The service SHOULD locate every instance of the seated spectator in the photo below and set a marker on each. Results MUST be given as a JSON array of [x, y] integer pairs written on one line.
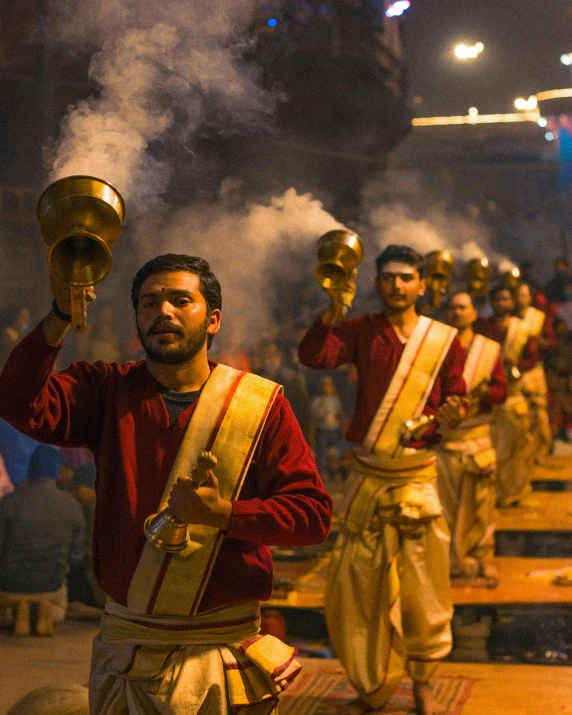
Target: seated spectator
[[16, 450], [41, 536], [82, 585], [18, 327], [70, 459], [557, 288]]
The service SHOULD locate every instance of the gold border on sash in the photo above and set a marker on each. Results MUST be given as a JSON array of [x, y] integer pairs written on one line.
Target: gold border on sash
[[174, 583], [411, 384], [534, 320], [516, 337], [480, 361]]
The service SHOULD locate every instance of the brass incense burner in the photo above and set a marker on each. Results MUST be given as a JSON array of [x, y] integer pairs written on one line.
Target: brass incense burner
[[511, 279], [414, 430], [81, 218], [166, 532], [478, 272], [438, 269], [339, 254]]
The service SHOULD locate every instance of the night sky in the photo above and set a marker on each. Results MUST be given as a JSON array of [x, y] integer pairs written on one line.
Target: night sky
[[523, 43]]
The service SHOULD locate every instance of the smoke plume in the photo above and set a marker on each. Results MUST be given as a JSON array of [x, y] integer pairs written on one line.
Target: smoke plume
[[250, 250], [165, 71]]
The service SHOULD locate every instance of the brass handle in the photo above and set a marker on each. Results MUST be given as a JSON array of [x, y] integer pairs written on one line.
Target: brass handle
[[78, 309]]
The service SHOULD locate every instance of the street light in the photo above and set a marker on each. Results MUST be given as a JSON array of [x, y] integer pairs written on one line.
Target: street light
[[526, 105], [468, 52]]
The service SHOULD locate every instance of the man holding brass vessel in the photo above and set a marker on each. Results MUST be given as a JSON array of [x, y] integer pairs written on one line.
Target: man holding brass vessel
[[466, 460], [181, 625], [510, 425], [388, 606]]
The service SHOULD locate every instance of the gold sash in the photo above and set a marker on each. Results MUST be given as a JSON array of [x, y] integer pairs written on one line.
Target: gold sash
[[534, 321], [480, 361], [228, 420], [411, 385], [516, 337]]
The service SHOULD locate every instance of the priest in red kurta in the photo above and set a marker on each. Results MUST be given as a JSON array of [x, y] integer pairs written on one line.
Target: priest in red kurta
[[511, 425], [466, 460], [387, 604], [134, 417]]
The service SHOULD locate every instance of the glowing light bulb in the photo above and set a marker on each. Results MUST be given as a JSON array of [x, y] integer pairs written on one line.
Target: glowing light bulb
[[272, 22], [566, 59], [542, 122], [396, 9], [468, 52], [549, 136]]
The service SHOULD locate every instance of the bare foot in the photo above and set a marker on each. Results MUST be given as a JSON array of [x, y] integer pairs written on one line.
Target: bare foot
[[491, 573], [424, 703], [356, 707]]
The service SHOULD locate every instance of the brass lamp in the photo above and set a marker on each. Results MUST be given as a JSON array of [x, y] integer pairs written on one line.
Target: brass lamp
[[81, 218], [478, 271], [166, 532], [438, 269], [339, 254], [511, 279]]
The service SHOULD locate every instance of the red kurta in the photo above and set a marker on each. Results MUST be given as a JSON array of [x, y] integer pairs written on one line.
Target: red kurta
[[118, 412], [491, 328], [371, 343]]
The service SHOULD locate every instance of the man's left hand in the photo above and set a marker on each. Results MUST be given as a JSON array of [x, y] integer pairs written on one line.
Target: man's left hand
[[452, 412], [194, 503]]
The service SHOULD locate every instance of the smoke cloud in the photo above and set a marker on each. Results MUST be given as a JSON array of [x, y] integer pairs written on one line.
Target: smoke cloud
[[165, 71], [249, 250]]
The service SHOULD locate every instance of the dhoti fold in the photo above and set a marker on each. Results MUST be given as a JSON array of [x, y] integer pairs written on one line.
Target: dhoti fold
[[210, 663], [535, 391], [466, 466], [388, 606], [514, 446]]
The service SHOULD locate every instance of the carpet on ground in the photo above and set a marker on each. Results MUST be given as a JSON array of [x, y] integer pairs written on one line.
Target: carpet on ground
[[326, 693]]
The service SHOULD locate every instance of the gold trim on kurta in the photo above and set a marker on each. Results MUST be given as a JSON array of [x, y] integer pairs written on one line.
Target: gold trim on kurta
[[237, 404], [410, 386]]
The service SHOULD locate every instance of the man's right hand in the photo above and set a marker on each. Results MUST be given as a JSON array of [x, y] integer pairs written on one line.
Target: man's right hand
[[337, 310]]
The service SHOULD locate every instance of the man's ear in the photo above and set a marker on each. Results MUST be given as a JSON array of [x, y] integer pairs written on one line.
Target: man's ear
[[422, 286]]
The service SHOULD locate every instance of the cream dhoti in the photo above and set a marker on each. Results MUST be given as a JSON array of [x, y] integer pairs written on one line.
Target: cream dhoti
[[513, 443], [211, 663], [466, 464], [388, 605]]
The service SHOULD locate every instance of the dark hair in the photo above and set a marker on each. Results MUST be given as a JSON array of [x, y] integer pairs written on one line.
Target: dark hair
[[460, 292], [171, 262], [401, 254], [498, 288]]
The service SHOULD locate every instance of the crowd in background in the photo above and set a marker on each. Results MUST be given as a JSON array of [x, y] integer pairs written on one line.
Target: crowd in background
[[322, 401]]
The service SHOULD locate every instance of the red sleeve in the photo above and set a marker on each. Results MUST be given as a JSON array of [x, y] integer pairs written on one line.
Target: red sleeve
[[62, 409], [548, 334], [498, 385], [327, 347], [451, 373], [291, 506], [529, 356]]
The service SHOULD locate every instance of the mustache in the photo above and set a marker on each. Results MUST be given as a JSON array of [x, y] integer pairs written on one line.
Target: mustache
[[164, 326]]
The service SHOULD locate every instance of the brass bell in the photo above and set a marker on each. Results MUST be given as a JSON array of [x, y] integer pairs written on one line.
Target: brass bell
[[478, 272], [438, 269], [511, 279], [81, 218], [414, 429], [166, 532], [339, 254]]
